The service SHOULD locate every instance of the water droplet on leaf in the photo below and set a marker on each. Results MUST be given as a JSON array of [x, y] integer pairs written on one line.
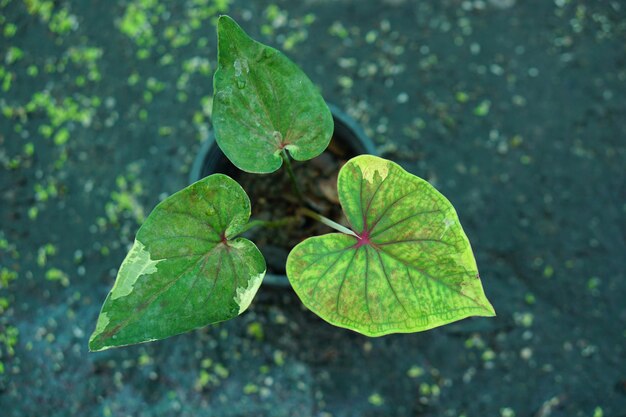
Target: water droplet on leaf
[[268, 53], [241, 66], [224, 96]]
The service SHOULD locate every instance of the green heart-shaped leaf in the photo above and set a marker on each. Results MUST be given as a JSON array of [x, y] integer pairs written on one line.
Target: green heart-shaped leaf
[[186, 268], [263, 103], [411, 268]]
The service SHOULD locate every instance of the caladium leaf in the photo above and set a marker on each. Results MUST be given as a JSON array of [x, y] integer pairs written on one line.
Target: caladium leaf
[[411, 268], [263, 103], [186, 268]]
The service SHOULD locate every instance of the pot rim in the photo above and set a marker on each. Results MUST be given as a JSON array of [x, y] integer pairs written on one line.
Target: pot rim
[[340, 119]]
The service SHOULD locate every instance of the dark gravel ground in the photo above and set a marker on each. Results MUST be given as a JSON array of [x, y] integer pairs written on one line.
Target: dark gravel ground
[[514, 109]]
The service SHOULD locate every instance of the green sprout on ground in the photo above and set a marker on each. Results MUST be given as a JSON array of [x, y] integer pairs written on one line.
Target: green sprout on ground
[[8, 272], [401, 264]]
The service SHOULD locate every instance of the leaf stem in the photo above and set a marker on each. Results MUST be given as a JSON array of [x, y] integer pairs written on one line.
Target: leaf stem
[[269, 224], [328, 222], [292, 177], [304, 210]]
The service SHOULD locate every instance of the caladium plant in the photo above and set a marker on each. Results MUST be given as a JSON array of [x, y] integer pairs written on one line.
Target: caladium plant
[[402, 263]]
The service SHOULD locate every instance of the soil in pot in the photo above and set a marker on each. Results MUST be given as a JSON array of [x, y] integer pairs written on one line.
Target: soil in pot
[[273, 198]]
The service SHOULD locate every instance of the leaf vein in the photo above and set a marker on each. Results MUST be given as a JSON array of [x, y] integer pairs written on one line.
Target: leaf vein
[[343, 280], [379, 232], [392, 205], [382, 265], [430, 277]]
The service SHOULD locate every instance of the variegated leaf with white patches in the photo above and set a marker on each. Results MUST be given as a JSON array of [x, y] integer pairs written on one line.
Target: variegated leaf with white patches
[[186, 268]]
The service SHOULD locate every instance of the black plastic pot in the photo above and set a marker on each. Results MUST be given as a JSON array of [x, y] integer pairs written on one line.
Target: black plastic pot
[[211, 160]]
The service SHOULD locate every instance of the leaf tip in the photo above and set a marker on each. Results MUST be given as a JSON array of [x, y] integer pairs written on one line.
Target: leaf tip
[[223, 19], [226, 24], [490, 310], [95, 344], [93, 347], [486, 307]]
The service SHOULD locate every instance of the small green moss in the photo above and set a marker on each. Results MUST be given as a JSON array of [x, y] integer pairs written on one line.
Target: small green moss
[[144, 359], [337, 29], [488, 355], [203, 380], [345, 82], [33, 212], [44, 252], [279, 357], [155, 85], [376, 399], [221, 371], [55, 274], [309, 19], [136, 24], [13, 55], [7, 82], [526, 159], [548, 271], [166, 59], [9, 30], [143, 54], [46, 131], [133, 79], [593, 283], [61, 137], [507, 412], [165, 131], [250, 388], [6, 276], [371, 36], [524, 319], [32, 71], [255, 330], [294, 38], [9, 336], [62, 22], [462, 97], [483, 108], [415, 372]]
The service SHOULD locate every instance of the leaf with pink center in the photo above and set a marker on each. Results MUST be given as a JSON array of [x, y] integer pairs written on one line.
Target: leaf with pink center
[[410, 269]]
